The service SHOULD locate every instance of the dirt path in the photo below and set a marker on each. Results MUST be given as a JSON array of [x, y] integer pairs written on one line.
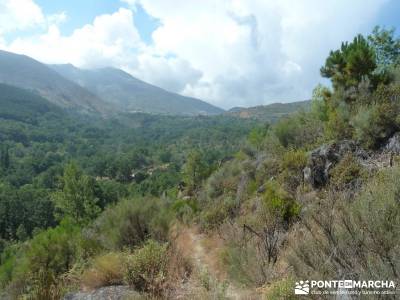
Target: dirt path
[[204, 252]]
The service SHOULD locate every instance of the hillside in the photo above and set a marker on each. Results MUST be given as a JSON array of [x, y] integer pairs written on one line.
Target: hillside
[[133, 95], [209, 207], [269, 113], [22, 105], [27, 73]]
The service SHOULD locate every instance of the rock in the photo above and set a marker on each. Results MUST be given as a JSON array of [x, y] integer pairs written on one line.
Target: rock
[[393, 145], [120, 292], [322, 159]]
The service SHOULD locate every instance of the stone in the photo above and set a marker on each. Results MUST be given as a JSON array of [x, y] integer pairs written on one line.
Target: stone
[[120, 292], [322, 159], [393, 145]]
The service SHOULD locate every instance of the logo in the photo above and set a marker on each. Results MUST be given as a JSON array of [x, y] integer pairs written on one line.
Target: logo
[[345, 287], [302, 288]]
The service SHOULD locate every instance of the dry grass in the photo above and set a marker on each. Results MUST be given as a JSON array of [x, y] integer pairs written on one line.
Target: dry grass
[[106, 270]]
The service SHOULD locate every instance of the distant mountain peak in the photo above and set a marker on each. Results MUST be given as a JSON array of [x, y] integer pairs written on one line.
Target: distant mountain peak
[[131, 94], [25, 72]]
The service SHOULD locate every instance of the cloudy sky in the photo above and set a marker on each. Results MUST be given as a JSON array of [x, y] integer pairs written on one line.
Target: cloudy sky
[[227, 52]]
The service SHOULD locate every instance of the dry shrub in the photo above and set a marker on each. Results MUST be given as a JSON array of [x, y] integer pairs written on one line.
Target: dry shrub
[[147, 268], [280, 290], [244, 258], [106, 270], [354, 238], [179, 268]]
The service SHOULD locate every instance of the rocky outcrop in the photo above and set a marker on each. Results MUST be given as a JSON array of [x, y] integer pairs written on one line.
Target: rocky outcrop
[[105, 293], [322, 159], [393, 145]]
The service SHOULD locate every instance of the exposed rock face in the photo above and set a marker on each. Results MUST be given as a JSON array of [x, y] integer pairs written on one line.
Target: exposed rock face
[[105, 293], [322, 159], [393, 144]]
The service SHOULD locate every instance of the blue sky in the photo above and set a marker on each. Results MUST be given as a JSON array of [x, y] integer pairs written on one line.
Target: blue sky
[[81, 12], [230, 53]]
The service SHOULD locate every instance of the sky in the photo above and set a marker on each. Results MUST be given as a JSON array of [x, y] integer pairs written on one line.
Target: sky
[[227, 52]]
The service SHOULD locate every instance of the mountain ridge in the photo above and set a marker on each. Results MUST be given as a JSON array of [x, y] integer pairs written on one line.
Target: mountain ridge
[[131, 94], [270, 112], [27, 73]]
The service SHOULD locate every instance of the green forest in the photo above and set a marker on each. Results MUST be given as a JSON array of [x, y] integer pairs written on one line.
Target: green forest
[[88, 201]]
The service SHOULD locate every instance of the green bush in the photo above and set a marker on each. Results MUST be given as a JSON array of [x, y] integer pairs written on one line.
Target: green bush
[[130, 223], [218, 213], [347, 172], [37, 266], [292, 164], [338, 124], [276, 204], [298, 130], [281, 290], [147, 268], [375, 123]]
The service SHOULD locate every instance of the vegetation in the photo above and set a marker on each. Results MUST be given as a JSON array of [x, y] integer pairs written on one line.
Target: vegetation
[[99, 202]]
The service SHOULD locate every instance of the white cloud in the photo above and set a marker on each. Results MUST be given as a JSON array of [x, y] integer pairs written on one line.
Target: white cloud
[[19, 15], [229, 52], [110, 40], [257, 51]]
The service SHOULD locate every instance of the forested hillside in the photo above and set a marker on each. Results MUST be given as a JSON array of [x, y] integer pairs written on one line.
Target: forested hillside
[[165, 207], [269, 113]]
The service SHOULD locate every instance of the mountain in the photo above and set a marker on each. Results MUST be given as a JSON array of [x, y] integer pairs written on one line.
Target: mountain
[[22, 105], [269, 113], [27, 73], [131, 94]]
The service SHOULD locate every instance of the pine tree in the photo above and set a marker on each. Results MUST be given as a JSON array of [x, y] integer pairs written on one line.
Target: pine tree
[[4, 158], [347, 66]]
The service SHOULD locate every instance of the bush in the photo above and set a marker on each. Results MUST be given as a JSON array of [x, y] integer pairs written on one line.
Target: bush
[[347, 173], [278, 207], [352, 238], [292, 164], [338, 125], [244, 264], [374, 124], [130, 223], [218, 213], [107, 269], [37, 266], [214, 288], [281, 290], [147, 268], [298, 130]]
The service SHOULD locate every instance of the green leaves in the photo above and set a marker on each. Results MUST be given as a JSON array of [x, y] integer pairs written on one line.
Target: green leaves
[[77, 198], [387, 47], [347, 66]]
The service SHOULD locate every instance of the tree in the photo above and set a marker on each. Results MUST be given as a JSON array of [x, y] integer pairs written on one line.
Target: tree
[[319, 105], [4, 157], [347, 66], [386, 46], [257, 135], [194, 170], [77, 198]]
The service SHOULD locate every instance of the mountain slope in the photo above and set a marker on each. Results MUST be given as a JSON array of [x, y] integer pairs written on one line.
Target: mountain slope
[[270, 113], [27, 73], [131, 94], [22, 105]]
